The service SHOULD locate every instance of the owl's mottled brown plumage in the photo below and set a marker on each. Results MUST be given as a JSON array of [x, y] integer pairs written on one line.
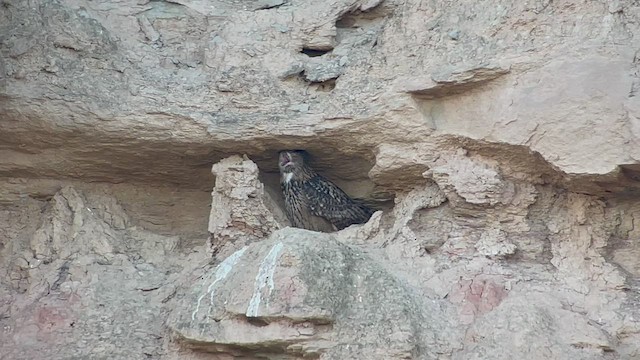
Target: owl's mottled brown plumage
[[313, 202]]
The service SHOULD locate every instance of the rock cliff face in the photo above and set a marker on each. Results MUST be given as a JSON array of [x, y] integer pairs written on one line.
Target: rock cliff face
[[500, 138]]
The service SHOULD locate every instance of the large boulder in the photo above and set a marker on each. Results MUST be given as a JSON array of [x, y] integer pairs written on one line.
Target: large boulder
[[303, 294]]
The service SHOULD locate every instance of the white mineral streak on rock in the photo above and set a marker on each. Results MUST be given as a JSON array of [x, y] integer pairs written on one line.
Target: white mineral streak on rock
[[222, 270], [264, 278]]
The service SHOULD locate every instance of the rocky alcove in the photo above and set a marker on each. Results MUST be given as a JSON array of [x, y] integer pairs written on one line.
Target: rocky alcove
[[140, 211]]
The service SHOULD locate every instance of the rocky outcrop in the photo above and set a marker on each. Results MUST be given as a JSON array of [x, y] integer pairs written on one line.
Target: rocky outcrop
[[549, 330], [302, 294], [501, 140], [242, 211], [89, 284], [251, 80]]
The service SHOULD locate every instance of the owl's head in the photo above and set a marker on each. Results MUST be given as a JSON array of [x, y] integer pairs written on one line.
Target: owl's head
[[291, 160]]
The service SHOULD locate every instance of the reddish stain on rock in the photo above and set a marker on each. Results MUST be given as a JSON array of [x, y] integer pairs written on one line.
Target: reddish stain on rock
[[51, 317], [477, 296]]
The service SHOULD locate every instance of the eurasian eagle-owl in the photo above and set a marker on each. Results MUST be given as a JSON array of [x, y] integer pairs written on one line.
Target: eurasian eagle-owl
[[313, 202]]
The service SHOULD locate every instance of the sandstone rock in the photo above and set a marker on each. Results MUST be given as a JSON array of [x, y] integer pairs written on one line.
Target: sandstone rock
[[241, 211], [535, 327], [71, 228], [89, 274], [303, 294], [495, 243], [450, 82], [522, 116], [128, 111], [474, 182], [322, 71]]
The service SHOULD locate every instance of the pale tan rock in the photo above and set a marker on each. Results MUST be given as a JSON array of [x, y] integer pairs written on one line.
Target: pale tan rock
[[535, 327], [494, 243], [522, 116], [301, 294], [82, 270], [70, 227], [474, 182], [398, 166], [241, 211], [449, 82]]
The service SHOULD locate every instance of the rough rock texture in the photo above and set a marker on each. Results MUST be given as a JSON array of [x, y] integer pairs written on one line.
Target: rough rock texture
[[81, 280], [241, 211], [501, 138], [310, 296]]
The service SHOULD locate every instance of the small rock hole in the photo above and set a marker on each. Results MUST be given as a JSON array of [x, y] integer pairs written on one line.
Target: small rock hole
[[257, 321], [313, 52], [346, 22]]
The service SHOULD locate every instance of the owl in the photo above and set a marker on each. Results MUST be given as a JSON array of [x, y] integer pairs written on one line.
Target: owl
[[311, 201]]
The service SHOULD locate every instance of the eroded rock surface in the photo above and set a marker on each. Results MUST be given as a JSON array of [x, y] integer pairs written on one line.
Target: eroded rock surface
[[85, 281], [242, 211], [303, 294], [176, 85], [504, 138], [535, 326]]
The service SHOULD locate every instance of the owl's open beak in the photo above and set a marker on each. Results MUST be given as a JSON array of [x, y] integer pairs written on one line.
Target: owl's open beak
[[286, 160]]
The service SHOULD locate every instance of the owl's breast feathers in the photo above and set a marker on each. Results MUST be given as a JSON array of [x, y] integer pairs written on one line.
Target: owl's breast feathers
[[317, 196]]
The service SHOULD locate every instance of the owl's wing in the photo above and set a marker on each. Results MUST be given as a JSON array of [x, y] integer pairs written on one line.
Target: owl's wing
[[328, 201]]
